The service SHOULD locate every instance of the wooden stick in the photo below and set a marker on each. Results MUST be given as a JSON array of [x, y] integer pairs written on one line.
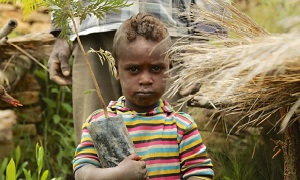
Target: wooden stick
[[8, 28]]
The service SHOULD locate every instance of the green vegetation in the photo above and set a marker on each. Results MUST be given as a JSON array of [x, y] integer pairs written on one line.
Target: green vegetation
[[270, 13], [13, 170], [56, 136], [57, 130]]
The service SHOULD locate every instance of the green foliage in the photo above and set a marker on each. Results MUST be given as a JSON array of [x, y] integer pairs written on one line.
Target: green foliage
[[64, 11], [28, 6], [3, 167], [234, 162], [268, 13], [58, 131], [12, 167], [13, 171], [56, 135]]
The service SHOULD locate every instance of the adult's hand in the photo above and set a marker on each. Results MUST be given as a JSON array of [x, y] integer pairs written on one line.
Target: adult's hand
[[58, 63]]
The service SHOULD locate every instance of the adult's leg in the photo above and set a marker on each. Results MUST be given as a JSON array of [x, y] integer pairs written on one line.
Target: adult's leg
[[85, 99]]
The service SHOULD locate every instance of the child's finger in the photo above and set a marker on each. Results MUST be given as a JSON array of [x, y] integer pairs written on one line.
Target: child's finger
[[135, 157], [146, 175]]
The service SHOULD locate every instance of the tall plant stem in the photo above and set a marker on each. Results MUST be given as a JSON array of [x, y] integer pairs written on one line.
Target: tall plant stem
[[87, 61]]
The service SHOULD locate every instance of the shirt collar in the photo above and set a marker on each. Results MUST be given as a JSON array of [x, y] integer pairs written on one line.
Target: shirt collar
[[163, 108]]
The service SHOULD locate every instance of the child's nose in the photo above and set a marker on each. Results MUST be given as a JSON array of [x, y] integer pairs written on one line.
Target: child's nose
[[145, 78]]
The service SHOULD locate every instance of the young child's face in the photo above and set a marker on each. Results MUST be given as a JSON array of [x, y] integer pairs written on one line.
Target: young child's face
[[142, 73]]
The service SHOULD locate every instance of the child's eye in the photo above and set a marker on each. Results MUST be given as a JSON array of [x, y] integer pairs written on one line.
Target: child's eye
[[133, 69], [156, 69]]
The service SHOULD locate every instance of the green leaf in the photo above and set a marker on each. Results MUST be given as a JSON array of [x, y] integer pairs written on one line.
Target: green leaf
[[90, 91], [67, 107], [27, 174], [2, 168], [54, 90], [11, 170], [18, 155], [20, 169], [56, 118], [45, 175], [41, 75], [40, 160], [37, 146], [50, 103]]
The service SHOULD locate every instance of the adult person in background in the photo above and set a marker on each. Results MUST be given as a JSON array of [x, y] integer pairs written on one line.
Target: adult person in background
[[96, 34]]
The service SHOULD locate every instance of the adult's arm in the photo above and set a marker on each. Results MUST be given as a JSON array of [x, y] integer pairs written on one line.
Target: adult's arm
[[58, 63]]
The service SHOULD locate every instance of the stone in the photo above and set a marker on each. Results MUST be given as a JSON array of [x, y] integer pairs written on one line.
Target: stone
[[38, 17], [7, 121], [37, 27], [6, 149], [6, 7], [22, 130], [28, 83], [27, 97], [30, 114]]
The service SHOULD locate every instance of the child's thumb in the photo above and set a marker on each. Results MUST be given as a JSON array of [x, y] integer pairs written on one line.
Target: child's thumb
[[135, 157]]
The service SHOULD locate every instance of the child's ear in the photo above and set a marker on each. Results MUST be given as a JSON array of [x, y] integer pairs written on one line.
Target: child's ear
[[117, 75]]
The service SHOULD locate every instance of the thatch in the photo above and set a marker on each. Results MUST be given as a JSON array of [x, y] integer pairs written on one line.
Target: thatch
[[37, 45], [256, 74]]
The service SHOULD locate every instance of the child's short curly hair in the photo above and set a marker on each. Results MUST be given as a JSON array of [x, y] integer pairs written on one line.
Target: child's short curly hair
[[142, 24]]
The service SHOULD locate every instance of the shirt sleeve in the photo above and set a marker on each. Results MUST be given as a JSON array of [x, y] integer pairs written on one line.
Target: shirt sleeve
[[193, 155], [55, 31], [85, 152]]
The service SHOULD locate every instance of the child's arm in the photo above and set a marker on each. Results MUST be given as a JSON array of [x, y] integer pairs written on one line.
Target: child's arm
[[195, 163], [130, 168], [198, 178], [86, 164]]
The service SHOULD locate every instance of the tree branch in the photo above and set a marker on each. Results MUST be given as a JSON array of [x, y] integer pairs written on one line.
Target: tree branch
[[8, 28]]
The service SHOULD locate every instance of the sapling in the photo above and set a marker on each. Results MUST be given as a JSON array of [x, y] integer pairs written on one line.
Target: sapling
[[65, 12]]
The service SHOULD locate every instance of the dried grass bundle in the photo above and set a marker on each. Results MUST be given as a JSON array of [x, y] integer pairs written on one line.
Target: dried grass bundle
[[36, 45], [223, 13], [257, 77]]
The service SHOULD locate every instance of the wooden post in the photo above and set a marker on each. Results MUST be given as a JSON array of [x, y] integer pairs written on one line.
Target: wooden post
[[291, 152], [8, 28]]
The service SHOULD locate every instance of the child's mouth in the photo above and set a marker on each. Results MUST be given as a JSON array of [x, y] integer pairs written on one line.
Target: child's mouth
[[145, 94]]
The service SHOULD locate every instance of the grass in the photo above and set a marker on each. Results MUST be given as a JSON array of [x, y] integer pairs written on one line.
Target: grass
[[240, 156], [269, 13]]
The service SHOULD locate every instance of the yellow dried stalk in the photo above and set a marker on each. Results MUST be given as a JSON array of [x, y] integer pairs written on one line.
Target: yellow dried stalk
[[256, 74]]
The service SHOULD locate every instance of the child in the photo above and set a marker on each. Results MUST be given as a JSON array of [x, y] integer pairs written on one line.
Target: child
[[168, 142]]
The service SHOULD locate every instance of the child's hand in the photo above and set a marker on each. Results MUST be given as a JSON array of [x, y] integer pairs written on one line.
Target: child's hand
[[132, 167]]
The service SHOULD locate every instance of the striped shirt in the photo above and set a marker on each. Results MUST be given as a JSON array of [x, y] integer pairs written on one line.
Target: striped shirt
[[168, 141]]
